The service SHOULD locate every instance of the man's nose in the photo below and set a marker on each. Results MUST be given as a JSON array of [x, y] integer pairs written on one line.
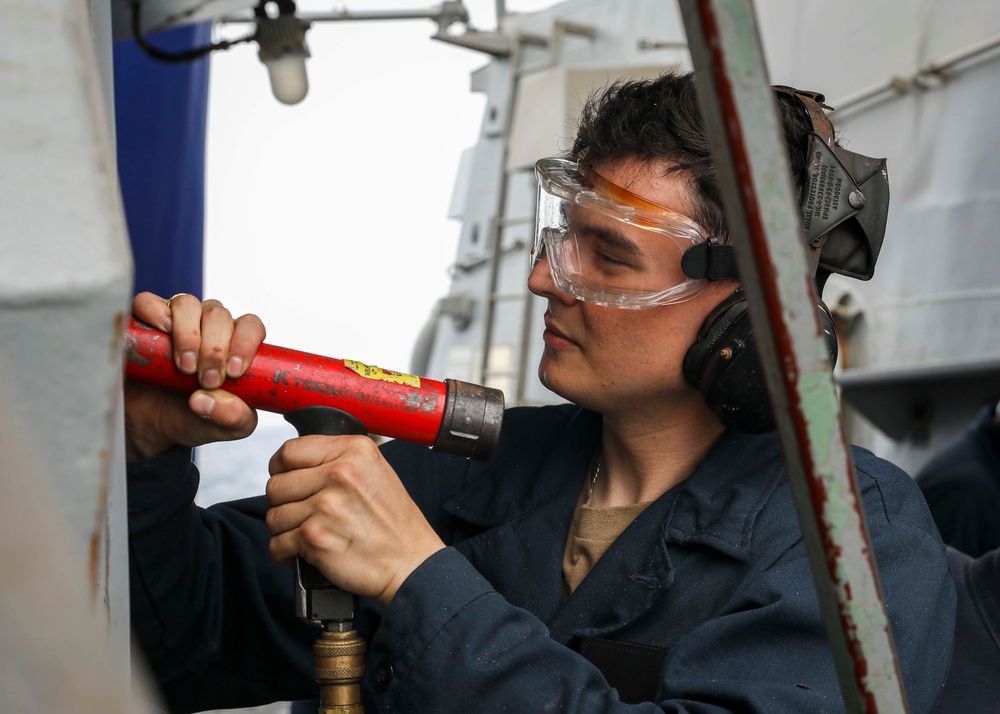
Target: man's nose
[[540, 282]]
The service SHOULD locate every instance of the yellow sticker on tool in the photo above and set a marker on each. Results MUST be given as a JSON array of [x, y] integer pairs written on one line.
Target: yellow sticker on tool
[[385, 375]]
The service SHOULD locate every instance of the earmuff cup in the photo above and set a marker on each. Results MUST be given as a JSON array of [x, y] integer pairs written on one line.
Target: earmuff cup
[[725, 366]]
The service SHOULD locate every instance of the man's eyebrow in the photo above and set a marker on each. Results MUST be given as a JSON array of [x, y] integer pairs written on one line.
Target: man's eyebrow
[[612, 236]]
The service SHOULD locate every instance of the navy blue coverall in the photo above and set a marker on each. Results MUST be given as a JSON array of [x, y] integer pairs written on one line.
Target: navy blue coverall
[[714, 572]]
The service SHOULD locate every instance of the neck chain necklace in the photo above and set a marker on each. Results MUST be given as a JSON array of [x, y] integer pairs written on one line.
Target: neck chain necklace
[[597, 472]]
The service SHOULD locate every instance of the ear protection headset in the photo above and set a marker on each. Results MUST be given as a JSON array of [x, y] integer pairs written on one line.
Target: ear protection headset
[[844, 207]]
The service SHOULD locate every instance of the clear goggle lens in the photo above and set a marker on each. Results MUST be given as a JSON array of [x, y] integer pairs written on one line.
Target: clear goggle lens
[[607, 245]]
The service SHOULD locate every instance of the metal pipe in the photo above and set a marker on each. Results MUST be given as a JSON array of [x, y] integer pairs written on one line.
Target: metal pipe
[[961, 57], [738, 106], [922, 79], [444, 14]]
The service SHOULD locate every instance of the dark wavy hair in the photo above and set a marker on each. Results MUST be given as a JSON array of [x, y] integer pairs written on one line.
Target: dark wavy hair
[[659, 119]]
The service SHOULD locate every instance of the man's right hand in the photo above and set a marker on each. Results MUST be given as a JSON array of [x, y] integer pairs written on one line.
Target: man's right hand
[[207, 341]]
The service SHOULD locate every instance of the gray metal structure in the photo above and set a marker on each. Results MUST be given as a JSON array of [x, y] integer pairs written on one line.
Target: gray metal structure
[[65, 279]]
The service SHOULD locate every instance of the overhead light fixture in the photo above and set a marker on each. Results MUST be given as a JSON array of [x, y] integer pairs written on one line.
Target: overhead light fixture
[[283, 50]]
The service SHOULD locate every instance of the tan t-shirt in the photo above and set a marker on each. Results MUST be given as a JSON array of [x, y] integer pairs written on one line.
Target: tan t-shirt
[[591, 533]]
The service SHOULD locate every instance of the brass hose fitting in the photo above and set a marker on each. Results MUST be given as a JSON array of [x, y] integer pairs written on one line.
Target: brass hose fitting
[[340, 667]]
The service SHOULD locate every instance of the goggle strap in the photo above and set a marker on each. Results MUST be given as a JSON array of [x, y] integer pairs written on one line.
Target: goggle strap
[[815, 107], [710, 261]]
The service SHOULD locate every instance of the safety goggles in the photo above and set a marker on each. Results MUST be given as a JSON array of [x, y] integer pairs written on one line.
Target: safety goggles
[[608, 246]]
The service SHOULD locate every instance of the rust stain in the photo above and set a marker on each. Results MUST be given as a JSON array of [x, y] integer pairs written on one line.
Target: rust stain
[[118, 330], [97, 534]]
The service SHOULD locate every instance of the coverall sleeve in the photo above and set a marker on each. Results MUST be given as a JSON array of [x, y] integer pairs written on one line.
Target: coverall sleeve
[[213, 614]]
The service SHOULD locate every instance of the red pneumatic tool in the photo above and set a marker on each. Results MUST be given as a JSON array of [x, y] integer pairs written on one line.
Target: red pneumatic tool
[[451, 416], [322, 395]]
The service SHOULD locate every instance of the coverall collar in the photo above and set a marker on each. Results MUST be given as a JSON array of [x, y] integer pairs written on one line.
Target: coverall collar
[[526, 504]]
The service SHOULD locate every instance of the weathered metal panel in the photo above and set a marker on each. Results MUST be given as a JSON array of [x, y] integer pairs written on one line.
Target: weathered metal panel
[[65, 280], [736, 100]]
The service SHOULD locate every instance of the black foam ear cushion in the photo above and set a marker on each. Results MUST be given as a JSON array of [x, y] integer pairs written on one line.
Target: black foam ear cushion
[[725, 366], [713, 335]]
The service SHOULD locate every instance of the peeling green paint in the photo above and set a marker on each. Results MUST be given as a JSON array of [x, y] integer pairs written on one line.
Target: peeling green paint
[[726, 43], [818, 401]]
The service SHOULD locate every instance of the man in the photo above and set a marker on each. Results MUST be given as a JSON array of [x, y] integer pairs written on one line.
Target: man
[[962, 486], [623, 551], [973, 686]]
